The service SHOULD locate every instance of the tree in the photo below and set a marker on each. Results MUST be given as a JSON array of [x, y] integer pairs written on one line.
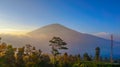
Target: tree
[[9, 56], [3, 48], [28, 49], [65, 57], [65, 61], [20, 54], [78, 58], [86, 57], [44, 61], [97, 54], [33, 56], [57, 44]]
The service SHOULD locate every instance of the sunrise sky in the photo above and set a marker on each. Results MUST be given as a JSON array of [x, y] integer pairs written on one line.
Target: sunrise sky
[[88, 16]]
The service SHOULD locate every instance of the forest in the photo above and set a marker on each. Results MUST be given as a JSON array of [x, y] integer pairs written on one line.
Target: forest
[[29, 56]]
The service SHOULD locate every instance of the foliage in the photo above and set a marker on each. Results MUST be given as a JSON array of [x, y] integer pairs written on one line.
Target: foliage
[[57, 44], [86, 57], [97, 54], [29, 56]]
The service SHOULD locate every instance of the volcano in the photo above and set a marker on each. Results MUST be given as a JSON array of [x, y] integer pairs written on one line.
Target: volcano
[[77, 43]]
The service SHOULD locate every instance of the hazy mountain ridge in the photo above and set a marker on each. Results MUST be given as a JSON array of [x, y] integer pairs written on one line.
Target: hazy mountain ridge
[[77, 42], [105, 35]]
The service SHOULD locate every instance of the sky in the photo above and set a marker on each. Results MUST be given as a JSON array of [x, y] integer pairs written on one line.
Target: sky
[[87, 16]]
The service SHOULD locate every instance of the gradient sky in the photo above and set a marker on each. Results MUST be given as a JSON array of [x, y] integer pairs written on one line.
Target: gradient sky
[[88, 16]]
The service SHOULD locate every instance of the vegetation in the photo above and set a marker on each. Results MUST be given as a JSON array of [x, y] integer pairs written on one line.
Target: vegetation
[[29, 56], [57, 44], [97, 54]]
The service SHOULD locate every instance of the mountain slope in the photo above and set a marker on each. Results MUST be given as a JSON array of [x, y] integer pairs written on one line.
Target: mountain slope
[[77, 42]]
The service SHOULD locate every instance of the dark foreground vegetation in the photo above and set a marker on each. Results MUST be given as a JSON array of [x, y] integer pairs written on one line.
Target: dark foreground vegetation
[[29, 56]]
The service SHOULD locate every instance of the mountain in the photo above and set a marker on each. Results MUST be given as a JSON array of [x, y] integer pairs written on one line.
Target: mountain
[[77, 42]]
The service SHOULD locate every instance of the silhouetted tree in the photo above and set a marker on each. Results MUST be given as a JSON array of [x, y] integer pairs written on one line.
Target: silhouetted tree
[[57, 44], [20, 54], [86, 57], [97, 54], [78, 58]]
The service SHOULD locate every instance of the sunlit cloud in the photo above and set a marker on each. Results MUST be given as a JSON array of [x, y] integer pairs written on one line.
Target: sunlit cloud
[[13, 31]]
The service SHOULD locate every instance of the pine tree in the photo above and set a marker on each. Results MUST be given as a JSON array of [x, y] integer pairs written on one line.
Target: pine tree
[[97, 54], [57, 44]]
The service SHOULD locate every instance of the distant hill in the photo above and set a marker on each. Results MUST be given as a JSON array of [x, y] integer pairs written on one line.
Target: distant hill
[[77, 42]]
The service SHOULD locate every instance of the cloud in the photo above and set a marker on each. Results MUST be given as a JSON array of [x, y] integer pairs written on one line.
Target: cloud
[[13, 31], [106, 35], [101, 34]]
